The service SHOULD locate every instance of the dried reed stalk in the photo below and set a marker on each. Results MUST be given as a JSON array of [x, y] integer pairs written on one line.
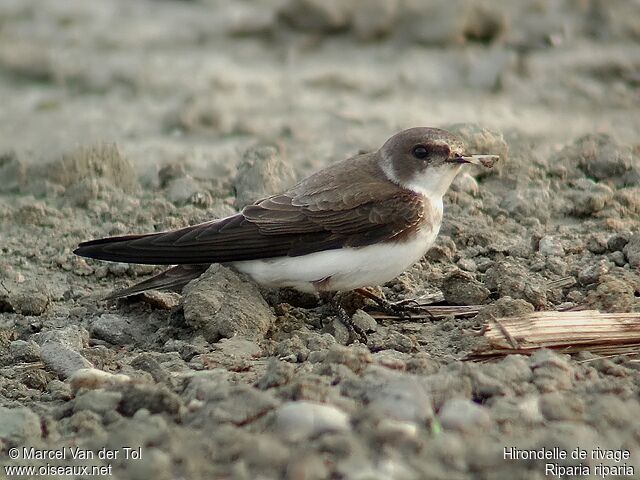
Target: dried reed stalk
[[567, 332], [435, 312]]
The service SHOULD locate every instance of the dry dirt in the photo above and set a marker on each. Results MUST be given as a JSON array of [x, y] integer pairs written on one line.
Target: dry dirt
[[122, 116]]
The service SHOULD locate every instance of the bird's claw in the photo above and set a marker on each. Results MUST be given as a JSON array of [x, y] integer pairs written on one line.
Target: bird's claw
[[355, 332], [401, 309]]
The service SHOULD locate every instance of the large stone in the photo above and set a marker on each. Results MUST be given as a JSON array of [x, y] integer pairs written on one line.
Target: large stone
[[222, 304]]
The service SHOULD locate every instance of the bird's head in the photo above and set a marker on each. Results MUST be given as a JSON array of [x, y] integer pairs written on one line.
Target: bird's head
[[426, 160]]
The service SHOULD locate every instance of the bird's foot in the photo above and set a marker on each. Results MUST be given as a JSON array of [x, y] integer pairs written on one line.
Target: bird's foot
[[355, 332], [402, 309]]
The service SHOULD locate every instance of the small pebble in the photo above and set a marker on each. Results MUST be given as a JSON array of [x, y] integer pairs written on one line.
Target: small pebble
[[632, 250], [557, 265], [73, 337], [148, 363], [392, 427], [467, 264], [618, 258], [22, 351], [399, 396], [336, 328], [364, 321], [153, 398], [278, 373], [461, 288], [483, 263], [29, 303], [19, 426], [316, 15], [393, 341], [161, 300], [59, 390], [617, 242], [92, 378], [62, 360], [98, 401], [374, 18], [303, 419], [597, 244], [355, 357], [557, 406], [464, 416], [180, 190], [550, 245], [591, 273]]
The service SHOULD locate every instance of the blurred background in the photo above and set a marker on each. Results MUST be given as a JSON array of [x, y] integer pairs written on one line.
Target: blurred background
[[121, 116], [197, 81]]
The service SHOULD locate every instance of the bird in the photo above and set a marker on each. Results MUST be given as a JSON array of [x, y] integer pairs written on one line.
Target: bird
[[357, 223]]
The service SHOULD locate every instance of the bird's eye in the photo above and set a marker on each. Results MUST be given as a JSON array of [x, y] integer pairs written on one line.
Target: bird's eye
[[420, 151]]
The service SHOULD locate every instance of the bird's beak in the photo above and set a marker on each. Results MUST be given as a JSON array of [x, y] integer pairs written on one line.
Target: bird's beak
[[482, 160]]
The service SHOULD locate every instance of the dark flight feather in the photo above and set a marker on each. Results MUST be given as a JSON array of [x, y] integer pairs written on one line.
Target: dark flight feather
[[171, 279], [320, 213]]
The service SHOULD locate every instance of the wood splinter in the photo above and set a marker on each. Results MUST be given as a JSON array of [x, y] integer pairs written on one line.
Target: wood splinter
[[565, 332]]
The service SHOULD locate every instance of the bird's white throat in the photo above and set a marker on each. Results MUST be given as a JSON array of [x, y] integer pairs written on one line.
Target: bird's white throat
[[432, 182]]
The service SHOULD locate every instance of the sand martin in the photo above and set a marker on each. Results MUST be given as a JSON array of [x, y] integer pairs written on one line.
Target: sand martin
[[357, 223]]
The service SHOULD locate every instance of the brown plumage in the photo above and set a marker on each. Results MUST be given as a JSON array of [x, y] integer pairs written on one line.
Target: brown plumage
[[320, 213], [358, 222]]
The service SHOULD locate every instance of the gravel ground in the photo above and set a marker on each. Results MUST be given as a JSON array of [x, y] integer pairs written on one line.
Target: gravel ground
[[122, 116]]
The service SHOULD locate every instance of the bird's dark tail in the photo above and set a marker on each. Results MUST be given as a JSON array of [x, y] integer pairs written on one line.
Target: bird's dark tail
[[228, 239], [172, 279], [125, 249]]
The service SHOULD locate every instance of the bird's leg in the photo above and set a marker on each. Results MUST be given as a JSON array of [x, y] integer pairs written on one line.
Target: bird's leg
[[354, 330], [402, 310]]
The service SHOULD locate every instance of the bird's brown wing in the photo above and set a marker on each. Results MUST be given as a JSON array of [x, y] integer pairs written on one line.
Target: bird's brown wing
[[272, 228], [321, 213]]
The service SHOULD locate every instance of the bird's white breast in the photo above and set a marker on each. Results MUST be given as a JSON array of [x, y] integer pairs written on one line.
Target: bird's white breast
[[346, 268]]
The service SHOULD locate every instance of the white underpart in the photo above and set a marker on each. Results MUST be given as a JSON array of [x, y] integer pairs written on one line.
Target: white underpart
[[350, 268], [342, 269]]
